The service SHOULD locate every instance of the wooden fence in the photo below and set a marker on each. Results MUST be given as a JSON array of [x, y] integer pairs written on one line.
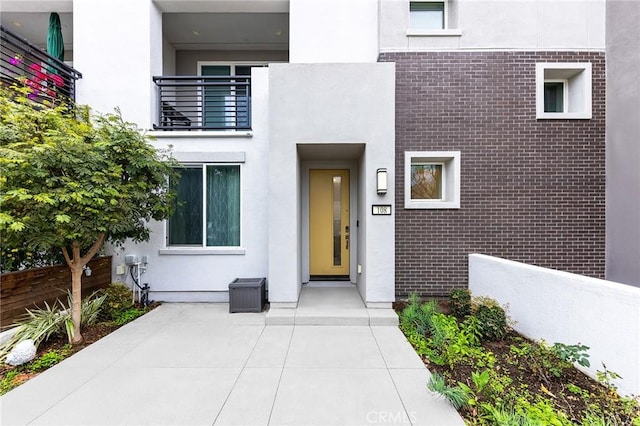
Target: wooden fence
[[33, 287]]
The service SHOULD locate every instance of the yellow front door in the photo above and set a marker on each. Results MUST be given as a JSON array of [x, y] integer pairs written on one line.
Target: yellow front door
[[329, 222]]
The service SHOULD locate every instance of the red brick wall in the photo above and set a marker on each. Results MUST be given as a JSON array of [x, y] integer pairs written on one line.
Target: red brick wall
[[531, 190]]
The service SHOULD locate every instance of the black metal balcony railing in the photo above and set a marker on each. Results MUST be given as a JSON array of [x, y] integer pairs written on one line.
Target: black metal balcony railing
[[47, 80], [203, 103]]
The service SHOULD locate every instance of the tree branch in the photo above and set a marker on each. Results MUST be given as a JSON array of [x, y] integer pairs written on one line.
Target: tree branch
[[65, 253], [94, 249]]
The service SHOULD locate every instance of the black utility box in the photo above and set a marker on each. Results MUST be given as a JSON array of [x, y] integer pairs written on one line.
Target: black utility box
[[247, 294]]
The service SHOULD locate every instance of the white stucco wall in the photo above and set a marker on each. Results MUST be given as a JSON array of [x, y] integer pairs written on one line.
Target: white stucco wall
[[623, 142], [325, 31], [331, 104], [490, 24], [205, 277], [567, 308], [118, 46]]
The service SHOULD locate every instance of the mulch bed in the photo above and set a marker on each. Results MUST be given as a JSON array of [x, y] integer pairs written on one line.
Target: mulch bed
[[553, 388]]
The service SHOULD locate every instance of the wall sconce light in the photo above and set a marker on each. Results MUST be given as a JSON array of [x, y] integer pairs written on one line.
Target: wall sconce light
[[87, 270], [381, 181]]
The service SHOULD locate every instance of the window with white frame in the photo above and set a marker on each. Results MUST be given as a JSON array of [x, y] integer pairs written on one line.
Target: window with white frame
[[428, 15], [432, 180], [207, 210], [563, 90]]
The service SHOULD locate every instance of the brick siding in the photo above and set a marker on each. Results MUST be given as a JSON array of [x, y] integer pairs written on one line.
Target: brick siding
[[531, 190]]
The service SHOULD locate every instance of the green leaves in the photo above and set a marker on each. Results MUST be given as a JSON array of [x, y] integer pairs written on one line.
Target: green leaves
[[63, 218], [67, 178]]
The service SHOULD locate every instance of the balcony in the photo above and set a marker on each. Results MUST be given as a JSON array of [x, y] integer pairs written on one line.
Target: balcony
[[47, 80], [203, 103]]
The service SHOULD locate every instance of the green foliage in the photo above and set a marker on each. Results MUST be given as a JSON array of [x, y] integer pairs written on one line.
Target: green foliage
[[47, 360], [542, 412], [72, 180], [572, 353], [607, 377], [492, 320], [508, 416], [460, 302], [418, 315], [118, 301], [128, 315], [21, 257], [454, 394], [10, 381], [540, 360], [418, 341], [40, 324], [68, 177]]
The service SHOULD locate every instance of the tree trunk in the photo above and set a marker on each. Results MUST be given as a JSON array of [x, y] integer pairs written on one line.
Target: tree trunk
[[76, 306], [76, 263]]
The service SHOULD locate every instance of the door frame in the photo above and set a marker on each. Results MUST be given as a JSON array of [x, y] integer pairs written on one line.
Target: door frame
[[306, 166]]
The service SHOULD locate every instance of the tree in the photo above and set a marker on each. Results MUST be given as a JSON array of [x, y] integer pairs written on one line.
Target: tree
[[72, 181]]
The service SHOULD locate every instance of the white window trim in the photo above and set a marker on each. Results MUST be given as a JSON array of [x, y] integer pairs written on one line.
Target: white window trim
[[573, 110], [450, 178], [412, 32], [203, 249]]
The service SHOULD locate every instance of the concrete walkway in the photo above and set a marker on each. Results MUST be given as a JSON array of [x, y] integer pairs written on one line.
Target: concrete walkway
[[196, 364]]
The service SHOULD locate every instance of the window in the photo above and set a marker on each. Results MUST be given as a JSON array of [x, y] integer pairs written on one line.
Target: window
[[563, 90], [432, 180], [227, 103], [427, 181], [207, 211], [427, 15]]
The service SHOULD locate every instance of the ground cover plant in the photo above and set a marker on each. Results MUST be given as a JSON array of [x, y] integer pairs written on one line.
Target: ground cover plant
[[493, 375], [102, 313]]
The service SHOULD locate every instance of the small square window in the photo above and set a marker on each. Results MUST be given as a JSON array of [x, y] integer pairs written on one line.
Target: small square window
[[563, 90], [427, 15], [432, 180]]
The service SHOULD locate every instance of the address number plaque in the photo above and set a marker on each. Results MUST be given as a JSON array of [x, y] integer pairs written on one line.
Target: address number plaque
[[381, 209]]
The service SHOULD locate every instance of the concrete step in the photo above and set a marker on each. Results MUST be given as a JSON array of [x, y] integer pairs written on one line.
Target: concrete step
[[375, 317]]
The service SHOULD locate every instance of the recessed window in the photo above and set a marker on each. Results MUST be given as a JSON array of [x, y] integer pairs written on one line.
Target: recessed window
[[432, 180], [427, 15], [207, 210], [563, 90]]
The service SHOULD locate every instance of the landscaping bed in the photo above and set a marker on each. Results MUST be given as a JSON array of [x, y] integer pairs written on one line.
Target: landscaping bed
[[116, 310], [493, 375]]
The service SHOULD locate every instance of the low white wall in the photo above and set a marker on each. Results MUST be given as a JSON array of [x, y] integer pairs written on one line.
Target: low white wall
[[567, 308]]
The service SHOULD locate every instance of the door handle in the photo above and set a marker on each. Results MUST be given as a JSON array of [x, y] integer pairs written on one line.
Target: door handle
[[346, 236]]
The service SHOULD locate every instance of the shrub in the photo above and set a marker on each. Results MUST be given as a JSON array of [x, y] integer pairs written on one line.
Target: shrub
[[418, 315], [491, 317], [460, 303], [118, 301]]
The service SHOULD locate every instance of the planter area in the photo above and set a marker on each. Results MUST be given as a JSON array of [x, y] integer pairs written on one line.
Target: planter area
[[113, 311], [493, 375]]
